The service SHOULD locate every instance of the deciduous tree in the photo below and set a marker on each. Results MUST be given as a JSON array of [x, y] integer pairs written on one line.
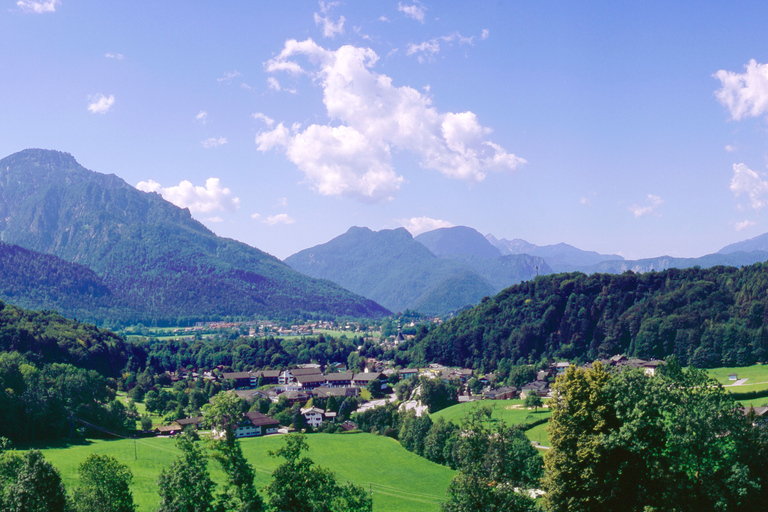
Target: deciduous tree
[[104, 486]]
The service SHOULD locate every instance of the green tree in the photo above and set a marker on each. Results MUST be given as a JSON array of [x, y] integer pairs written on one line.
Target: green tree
[[104, 486], [300, 486], [239, 494], [30, 483], [533, 400], [496, 465], [186, 486], [631, 442]]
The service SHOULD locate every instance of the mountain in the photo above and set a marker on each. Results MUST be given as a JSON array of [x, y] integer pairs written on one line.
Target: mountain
[[34, 280], [161, 264], [706, 317], [393, 269], [468, 246], [733, 259], [560, 257], [758, 243], [458, 241]]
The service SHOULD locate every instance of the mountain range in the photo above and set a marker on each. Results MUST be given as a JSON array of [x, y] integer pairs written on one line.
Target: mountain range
[[90, 246], [158, 264]]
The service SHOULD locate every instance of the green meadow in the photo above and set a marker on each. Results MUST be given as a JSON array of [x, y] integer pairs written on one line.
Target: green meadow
[[511, 412], [398, 479], [756, 374]]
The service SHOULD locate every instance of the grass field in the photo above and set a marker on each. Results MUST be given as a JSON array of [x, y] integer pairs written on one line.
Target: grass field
[[399, 480], [757, 374], [512, 412]]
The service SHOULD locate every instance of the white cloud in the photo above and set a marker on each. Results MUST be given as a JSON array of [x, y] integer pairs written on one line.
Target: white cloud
[[744, 94], [371, 117], [280, 218], [418, 225], [214, 219], [330, 28], [730, 148], [282, 202], [37, 7], [650, 209], [202, 116], [245, 86], [484, 35], [213, 142], [743, 225], [263, 117], [585, 201], [747, 182], [432, 47], [384, 19], [117, 56], [100, 104], [273, 83], [255, 215], [415, 11], [212, 197], [227, 78]]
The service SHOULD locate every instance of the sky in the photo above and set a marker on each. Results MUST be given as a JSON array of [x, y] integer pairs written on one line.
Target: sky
[[631, 128]]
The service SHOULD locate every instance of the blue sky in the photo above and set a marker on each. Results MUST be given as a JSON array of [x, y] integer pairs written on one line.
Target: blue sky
[[630, 128]]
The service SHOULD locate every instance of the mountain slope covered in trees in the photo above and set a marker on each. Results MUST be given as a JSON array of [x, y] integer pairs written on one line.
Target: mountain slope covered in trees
[[390, 267], [705, 317], [160, 263]]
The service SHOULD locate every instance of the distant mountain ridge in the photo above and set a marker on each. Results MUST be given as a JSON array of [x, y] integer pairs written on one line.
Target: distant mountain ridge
[[561, 257], [390, 267], [442, 272], [156, 259]]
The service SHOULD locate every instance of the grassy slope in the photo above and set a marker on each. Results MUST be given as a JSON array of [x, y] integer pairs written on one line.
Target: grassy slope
[[512, 412], [400, 480]]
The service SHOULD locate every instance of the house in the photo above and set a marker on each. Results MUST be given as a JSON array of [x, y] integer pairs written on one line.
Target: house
[[196, 422], [311, 381], [168, 430], [561, 367], [239, 380], [289, 376], [505, 393], [538, 387], [266, 376], [294, 397], [408, 372], [252, 394], [363, 379], [256, 424], [326, 392], [733, 376], [313, 416], [339, 380]]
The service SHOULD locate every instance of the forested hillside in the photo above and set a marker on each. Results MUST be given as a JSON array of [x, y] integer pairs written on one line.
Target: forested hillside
[[706, 317], [33, 280], [163, 265]]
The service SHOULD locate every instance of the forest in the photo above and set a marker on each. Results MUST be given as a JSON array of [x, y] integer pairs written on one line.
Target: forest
[[705, 317]]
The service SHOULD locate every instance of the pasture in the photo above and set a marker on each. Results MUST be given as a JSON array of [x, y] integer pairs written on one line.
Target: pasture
[[399, 480]]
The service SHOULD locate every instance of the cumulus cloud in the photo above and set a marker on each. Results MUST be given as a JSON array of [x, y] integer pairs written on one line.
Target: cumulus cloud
[[432, 47], [419, 225], [263, 117], [415, 11], [213, 142], [743, 225], [650, 208], [484, 35], [212, 197], [37, 7], [280, 218], [744, 94], [100, 104], [371, 117], [202, 116], [117, 56], [746, 182], [330, 28]]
